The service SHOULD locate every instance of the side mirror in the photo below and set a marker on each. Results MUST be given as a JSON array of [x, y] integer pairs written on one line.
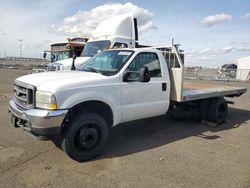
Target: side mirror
[[125, 76], [52, 56], [144, 75], [73, 62], [44, 55]]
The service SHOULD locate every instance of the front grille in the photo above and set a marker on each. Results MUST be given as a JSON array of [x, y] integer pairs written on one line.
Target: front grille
[[51, 68], [54, 67], [24, 95]]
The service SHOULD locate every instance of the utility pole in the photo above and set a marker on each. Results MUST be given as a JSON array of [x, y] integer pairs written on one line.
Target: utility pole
[[20, 47]]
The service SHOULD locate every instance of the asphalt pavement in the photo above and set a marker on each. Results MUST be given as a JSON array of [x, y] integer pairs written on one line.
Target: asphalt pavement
[[155, 152]]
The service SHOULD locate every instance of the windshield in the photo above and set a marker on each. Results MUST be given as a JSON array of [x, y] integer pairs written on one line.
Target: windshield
[[57, 56], [92, 48], [107, 62]]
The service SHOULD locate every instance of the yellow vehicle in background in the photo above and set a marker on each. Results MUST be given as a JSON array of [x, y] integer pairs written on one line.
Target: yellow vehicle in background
[[66, 50]]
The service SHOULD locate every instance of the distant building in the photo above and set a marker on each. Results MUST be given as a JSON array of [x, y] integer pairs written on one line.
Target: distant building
[[228, 70], [243, 69]]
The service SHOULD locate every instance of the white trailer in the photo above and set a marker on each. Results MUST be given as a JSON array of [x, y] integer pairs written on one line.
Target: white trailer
[[243, 69], [116, 32]]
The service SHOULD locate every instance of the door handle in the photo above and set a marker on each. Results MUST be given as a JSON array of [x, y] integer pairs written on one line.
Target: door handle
[[164, 86]]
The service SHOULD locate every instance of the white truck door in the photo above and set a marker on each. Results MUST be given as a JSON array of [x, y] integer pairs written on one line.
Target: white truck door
[[140, 99]]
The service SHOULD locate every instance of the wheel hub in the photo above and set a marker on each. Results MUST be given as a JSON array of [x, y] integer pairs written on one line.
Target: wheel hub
[[88, 138]]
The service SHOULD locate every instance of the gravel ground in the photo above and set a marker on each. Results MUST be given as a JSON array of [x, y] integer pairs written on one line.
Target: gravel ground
[[155, 152]]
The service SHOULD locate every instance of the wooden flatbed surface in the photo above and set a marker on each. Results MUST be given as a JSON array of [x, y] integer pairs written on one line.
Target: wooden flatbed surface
[[195, 90]]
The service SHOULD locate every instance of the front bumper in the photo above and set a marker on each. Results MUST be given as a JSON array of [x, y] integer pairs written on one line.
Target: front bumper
[[38, 122]]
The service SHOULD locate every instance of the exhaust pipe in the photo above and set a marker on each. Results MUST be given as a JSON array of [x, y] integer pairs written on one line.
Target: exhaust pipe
[[136, 29]]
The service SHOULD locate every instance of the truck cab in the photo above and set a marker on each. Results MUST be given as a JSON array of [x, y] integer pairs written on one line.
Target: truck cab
[[115, 32]]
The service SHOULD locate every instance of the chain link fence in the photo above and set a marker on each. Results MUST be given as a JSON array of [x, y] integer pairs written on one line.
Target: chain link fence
[[199, 73], [190, 73], [23, 63]]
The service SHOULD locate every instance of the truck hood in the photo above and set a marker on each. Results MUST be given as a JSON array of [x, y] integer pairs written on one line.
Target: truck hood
[[68, 62], [63, 80]]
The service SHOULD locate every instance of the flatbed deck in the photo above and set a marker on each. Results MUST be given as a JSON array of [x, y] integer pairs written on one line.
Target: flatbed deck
[[196, 90]]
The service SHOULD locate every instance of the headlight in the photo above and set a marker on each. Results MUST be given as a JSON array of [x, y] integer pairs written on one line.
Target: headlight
[[59, 67], [46, 100]]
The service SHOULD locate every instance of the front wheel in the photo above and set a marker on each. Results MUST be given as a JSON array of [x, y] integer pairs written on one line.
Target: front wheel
[[85, 137]]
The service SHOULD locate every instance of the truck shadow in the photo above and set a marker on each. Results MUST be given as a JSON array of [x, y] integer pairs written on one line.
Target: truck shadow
[[150, 133]]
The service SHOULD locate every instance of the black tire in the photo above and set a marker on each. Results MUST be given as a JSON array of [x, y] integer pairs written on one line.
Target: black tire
[[203, 108], [217, 110], [85, 137]]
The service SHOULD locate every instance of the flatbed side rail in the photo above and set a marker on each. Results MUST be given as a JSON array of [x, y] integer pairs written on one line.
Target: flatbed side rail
[[191, 95]]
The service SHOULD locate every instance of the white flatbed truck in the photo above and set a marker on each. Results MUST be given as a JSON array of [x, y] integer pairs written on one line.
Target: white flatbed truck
[[113, 87]]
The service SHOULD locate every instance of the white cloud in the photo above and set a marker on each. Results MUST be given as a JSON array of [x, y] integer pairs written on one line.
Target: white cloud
[[199, 57], [204, 58], [2, 32], [84, 22], [210, 21], [227, 49], [205, 51], [224, 50], [189, 56], [29, 21], [243, 49], [246, 16]]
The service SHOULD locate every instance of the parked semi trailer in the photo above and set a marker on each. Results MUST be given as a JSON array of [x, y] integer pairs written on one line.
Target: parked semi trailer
[[116, 32]]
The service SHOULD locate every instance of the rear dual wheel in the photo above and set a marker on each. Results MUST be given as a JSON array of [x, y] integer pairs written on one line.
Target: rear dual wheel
[[214, 110]]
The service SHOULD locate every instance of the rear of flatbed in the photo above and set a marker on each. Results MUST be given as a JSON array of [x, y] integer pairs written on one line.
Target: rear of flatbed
[[197, 90], [205, 98], [191, 91]]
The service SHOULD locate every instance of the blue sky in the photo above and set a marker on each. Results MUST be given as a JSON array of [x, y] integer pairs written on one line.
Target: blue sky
[[212, 32]]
